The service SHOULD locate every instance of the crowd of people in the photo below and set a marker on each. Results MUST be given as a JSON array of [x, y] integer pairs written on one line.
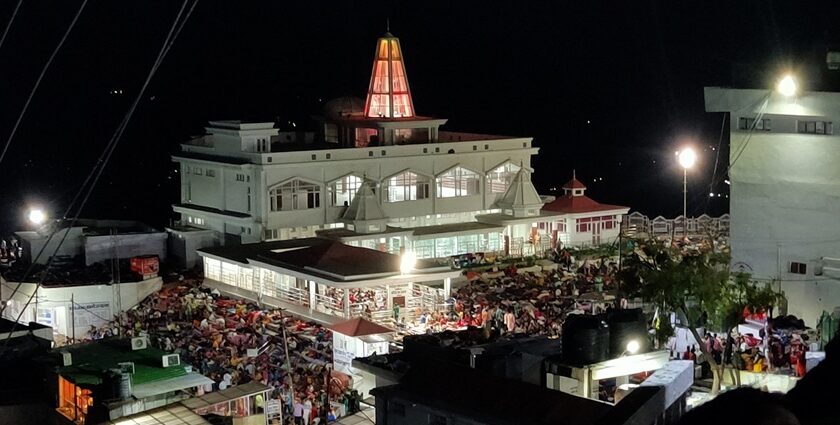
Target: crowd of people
[[533, 300], [215, 334]]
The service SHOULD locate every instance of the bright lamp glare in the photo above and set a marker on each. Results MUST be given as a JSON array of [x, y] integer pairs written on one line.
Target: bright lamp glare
[[633, 347], [687, 158], [407, 262], [787, 86], [37, 216]]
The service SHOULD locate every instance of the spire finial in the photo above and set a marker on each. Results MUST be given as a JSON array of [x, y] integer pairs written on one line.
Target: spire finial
[[388, 24], [573, 174]]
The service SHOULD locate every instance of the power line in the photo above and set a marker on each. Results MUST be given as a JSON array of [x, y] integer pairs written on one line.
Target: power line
[[38, 81], [11, 20], [99, 167]]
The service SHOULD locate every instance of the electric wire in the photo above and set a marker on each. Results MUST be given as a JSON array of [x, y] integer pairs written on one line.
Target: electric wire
[[9, 25], [104, 158], [38, 81]]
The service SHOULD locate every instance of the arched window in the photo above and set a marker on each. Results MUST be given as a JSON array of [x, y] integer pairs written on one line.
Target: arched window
[[457, 181], [343, 190], [295, 194], [498, 179], [406, 186]]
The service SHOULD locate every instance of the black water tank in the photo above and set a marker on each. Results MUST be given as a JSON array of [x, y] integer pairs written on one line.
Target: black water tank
[[625, 326], [586, 339]]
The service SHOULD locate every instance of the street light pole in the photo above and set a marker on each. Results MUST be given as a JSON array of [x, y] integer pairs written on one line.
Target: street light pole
[[685, 202]]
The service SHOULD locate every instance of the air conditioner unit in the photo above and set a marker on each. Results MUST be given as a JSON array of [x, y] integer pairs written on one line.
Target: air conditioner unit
[[66, 358], [139, 343], [170, 360]]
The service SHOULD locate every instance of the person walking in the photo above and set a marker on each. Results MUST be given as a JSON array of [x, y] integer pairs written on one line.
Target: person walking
[[510, 321], [298, 412], [307, 411]]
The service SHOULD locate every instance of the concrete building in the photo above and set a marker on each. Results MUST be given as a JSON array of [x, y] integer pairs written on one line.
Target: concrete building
[[582, 220], [92, 241], [785, 192]]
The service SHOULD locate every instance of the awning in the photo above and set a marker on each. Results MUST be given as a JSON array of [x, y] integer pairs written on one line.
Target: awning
[[226, 395], [173, 414], [189, 380]]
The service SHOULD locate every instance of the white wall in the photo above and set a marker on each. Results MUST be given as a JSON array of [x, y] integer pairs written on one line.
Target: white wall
[[102, 248], [785, 192], [101, 300]]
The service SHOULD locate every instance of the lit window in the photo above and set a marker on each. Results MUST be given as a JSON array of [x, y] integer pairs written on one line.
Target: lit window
[[584, 225], [457, 182], [343, 190], [499, 178], [295, 195], [198, 221], [406, 186]]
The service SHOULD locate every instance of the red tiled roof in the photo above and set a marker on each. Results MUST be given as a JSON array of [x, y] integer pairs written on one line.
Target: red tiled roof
[[359, 327], [574, 183], [578, 204]]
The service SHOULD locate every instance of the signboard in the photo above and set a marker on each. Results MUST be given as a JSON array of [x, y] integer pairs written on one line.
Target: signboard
[[91, 314], [46, 316], [273, 408]]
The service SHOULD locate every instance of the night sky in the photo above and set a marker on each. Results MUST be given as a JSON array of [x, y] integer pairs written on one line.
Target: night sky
[[610, 90]]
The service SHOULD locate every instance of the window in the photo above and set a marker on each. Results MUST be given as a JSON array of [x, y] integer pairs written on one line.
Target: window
[[798, 268], [499, 178], [197, 171], [240, 177], [748, 124], [295, 195], [437, 150], [456, 182], [406, 186], [584, 225], [210, 173], [814, 127], [607, 222], [343, 190], [329, 156], [313, 157]]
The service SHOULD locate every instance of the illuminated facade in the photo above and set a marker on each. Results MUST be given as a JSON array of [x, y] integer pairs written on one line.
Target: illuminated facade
[[423, 188], [785, 192]]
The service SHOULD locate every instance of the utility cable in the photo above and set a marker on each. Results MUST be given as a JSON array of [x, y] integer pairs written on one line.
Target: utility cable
[[11, 20], [99, 167], [38, 81]]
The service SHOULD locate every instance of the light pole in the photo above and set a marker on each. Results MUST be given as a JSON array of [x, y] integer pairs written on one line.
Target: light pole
[[686, 157]]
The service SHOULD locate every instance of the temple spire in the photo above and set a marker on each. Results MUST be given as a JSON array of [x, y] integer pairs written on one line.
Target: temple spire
[[388, 94]]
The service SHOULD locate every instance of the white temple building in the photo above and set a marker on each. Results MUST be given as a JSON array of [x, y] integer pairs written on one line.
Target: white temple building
[[375, 175]]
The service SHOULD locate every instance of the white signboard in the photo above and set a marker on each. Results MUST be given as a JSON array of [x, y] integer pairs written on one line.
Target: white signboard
[[272, 408], [92, 314]]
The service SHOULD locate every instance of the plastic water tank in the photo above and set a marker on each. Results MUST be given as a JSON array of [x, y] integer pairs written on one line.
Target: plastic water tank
[[625, 326], [119, 384], [586, 339]]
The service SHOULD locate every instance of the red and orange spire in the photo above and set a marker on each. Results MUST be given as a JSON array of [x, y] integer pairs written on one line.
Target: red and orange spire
[[388, 95]]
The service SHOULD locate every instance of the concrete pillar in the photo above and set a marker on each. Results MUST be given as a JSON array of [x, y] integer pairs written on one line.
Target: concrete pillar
[[346, 303], [311, 294], [447, 287]]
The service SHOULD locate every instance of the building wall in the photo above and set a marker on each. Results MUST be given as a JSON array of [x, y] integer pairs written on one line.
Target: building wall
[[785, 193], [223, 191], [95, 304], [103, 248]]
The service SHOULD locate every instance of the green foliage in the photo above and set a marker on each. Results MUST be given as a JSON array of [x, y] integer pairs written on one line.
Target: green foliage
[[696, 283]]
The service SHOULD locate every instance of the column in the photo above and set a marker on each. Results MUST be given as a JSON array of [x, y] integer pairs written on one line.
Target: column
[[346, 303], [447, 287], [311, 286]]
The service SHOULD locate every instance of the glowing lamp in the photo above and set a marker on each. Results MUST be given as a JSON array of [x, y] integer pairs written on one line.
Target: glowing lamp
[[37, 216], [633, 346], [687, 158], [787, 86], [407, 262]]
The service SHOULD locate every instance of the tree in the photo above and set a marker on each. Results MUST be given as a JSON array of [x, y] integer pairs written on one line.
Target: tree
[[697, 285]]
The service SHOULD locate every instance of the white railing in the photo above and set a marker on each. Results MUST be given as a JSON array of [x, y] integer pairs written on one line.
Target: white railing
[[329, 305], [661, 226], [292, 295]]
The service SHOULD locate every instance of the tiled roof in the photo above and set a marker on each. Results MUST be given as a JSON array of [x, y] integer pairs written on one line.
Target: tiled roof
[[578, 204], [359, 327]]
